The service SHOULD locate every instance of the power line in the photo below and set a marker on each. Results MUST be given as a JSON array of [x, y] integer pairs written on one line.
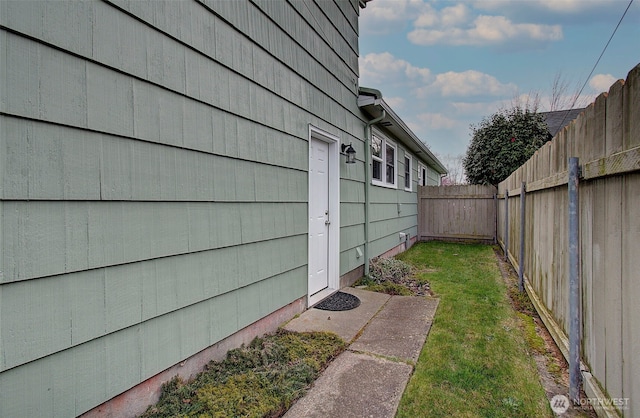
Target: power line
[[597, 62]]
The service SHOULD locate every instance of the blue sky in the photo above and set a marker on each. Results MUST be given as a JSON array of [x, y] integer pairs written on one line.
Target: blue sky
[[443, 65]]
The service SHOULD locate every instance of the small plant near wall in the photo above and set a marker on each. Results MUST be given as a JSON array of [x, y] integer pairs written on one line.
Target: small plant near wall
[[394, 277], [388, 269]]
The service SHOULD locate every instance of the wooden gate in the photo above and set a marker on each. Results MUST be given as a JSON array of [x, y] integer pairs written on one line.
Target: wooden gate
[[457, 213]]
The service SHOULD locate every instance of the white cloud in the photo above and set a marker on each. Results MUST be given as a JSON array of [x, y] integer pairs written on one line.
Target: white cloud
[[437, 120], [467, 83], [454, 15], [384, 16], [566, 6], [393, 10], [462, 23], [554, 11], [383, 68], [563, 6], [601, 82], [449, 16], [486, 30], [559, 6]]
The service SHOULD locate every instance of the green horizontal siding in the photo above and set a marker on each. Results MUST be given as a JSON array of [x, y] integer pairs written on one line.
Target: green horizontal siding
[[291, 41], [391, 227], [224, 72], [352, 192], [433, 177], [97, 97], [339, 36], [383, 244], [75, 308], [44, 238], [71, 381], [394, 210], [351, 214], [351, 237]]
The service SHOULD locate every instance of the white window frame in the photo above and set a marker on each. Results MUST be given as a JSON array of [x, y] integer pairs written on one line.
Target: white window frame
[[383, 162], [422, 175], [407, 157]]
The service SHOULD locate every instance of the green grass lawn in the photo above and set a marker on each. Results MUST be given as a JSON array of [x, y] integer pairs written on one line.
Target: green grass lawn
[[475, 362]]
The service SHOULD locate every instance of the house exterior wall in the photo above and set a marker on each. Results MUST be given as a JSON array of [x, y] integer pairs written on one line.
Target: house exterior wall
[[153, 181], [392, 211], [433, 177]]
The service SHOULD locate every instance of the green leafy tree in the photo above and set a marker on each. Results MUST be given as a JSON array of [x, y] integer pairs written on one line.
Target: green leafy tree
[[503, 142]]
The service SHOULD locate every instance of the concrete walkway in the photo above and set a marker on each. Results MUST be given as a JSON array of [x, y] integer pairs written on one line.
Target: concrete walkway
[[386, 334]]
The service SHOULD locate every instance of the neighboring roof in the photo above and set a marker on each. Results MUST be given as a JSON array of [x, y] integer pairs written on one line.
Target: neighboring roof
[[371, 101], [558, 119]]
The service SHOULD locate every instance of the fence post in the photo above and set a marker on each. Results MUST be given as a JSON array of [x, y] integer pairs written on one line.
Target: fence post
[[574, 282], [495, 218], [523, 190], [506, 224]]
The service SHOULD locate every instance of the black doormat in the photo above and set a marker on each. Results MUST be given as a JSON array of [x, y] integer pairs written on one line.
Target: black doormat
[[339, 301]]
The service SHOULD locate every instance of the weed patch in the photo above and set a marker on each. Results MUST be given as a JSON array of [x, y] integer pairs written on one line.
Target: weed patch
[[262, 379], [394, 277]]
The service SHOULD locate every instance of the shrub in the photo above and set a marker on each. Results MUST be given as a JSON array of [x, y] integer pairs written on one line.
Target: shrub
[[388, 269]]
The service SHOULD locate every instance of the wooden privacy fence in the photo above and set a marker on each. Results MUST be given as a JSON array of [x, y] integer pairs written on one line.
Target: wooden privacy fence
[[457, 213], [606, 140]]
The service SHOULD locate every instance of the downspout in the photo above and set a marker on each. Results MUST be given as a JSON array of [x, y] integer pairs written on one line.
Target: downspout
[[367, 186]]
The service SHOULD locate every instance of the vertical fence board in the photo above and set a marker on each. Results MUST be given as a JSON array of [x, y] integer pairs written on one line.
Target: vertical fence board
[[612, 279], [631, 104], [562, 290], [599, 218], [586, 235], [614, 119], [597, 130], [630, 292]]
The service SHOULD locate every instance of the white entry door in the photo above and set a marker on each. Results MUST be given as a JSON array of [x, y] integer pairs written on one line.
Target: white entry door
[[319, 216]]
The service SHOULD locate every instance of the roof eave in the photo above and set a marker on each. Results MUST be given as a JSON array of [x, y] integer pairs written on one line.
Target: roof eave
[[371, 101]]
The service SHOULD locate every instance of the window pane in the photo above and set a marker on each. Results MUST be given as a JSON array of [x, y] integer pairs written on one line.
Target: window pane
[[377, 166], [390, 164], [391, 155], [376, 147], [390, 174], [407, 173]]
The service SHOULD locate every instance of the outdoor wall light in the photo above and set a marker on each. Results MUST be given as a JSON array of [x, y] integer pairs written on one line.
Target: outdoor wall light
[[349, 152]]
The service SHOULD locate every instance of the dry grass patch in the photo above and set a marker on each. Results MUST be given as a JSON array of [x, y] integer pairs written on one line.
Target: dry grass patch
[[262, 379]]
